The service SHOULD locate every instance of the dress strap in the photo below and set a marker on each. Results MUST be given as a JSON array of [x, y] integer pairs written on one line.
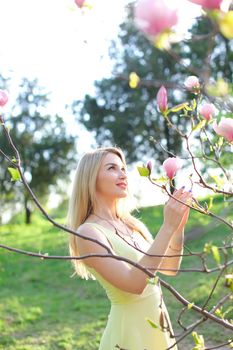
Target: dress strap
[[108, 233]]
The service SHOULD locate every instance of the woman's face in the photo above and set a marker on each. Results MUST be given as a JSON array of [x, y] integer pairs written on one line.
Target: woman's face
[[112, 178]]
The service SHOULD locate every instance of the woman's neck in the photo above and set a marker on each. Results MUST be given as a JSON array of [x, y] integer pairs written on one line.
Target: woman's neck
[[106, 210], [106, 214]]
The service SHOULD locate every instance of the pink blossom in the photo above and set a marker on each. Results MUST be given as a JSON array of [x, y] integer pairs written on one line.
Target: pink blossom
[[208, 4], [149, 166], [207, 111], [3, 98], [79, 3], [154, 16], [171, 165], [162, 99], [192, 83], [224, 128]]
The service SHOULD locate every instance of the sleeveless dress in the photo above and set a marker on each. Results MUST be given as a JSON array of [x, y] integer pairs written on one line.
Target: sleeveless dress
[[128, 326]]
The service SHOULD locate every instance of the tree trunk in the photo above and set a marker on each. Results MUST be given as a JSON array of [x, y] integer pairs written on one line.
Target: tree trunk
[[27, 212]]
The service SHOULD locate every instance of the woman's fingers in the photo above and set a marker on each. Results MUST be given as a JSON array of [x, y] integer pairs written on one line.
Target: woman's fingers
[[180, 195], [176, 211]]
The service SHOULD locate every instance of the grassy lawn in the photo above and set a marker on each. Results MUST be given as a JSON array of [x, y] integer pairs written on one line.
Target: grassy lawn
[[43, 308]]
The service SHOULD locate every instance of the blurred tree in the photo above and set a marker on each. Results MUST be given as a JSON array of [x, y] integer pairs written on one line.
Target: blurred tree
[[47, 151], [128, 117]]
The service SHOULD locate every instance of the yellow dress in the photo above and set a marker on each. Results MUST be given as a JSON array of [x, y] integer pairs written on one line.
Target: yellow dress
[[128, 327]]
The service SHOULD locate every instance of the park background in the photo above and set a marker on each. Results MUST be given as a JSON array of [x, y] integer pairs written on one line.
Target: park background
[[51, 55]]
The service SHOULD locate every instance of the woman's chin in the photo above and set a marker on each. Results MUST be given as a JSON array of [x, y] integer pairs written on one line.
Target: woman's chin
[[123, 194]]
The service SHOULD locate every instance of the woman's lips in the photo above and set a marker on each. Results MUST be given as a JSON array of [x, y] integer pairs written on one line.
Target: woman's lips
[[122, 185]]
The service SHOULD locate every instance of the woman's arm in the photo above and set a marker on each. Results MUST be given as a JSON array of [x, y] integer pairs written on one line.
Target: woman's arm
[[121, 274], [175, 248]]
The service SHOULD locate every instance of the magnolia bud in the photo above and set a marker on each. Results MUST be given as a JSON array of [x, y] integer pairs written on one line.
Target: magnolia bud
[[149, 166], [162, 99], [3, 98], [154, 17], [79, 3], [207, 111], [171, 165], [192, 84], [225, 128]]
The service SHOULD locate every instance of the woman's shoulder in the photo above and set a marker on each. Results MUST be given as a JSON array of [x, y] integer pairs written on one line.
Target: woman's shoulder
[[93, 230], [87, 225], [90, 227]]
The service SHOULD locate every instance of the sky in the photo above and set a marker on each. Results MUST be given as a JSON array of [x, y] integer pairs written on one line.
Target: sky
[[64, 47]]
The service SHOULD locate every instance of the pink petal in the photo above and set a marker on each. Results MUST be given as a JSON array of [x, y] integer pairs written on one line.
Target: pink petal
[[171, 165], [208, 4], [162, 99], [3, 98], [224, 128], [79, 3], [207, 111], [192, 82], [154, 16]]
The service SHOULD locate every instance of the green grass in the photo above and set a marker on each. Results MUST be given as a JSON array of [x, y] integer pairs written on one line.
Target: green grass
[[43, 308]]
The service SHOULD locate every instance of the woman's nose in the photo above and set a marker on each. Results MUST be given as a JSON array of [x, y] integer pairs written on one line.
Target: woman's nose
[[123, 175]]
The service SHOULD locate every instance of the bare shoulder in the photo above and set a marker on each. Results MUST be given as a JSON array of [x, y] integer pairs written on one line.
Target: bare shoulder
[[87, 230]]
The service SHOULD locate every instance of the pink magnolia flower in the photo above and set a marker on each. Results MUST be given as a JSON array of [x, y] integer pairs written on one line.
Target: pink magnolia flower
[[149, 166], [207, 111], [171, 165], [224, 128], [162, 99], [3, 98], [79, 3], [154, 16], [208, 4], [192, 83]]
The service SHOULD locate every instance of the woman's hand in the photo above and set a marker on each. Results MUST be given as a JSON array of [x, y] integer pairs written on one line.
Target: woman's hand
[[184, 219], [176, 213]]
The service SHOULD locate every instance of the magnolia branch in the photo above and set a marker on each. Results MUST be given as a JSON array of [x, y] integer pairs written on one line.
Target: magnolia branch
[[117, 257], [180, 298]]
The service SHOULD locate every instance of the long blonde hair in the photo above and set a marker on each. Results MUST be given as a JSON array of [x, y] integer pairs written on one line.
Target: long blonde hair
[[83, 202]]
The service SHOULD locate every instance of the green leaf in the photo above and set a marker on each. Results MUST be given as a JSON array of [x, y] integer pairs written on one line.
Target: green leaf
[[152, 323], [216, 255], [229, 309], [218, 313], [220, 141], [179, 107], [143, 171], [194, 104], [217, 180], [161, 179], [199, 341], [199, 125], [210, 203], [153, 280], [15, 175], [190, 305], [207, 248]]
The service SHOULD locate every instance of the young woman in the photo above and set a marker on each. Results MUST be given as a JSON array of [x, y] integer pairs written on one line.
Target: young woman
[[98, 210]]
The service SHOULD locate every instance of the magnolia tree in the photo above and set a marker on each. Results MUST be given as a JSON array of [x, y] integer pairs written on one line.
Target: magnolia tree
[[212, 131]]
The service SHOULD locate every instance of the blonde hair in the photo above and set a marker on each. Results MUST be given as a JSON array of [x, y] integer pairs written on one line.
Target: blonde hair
[[83, 202]]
